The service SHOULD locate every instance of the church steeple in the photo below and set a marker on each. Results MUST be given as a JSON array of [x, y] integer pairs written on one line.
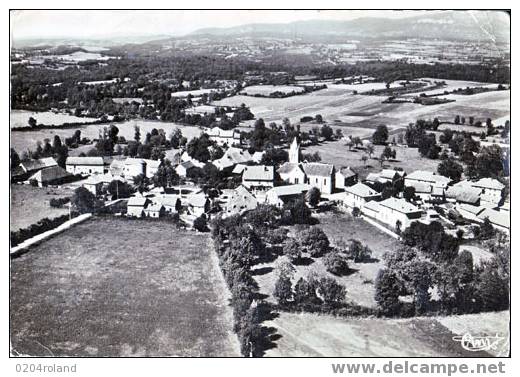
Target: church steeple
[[294, 152]]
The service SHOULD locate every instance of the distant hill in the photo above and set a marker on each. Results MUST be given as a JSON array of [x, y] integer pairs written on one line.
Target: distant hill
[[446, 25]]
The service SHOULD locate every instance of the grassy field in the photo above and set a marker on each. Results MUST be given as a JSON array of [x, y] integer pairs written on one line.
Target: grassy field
[[21, 141], [265, 90], [311, 335], [359, 284], [20, 118], [338, 154], [30, 204], [117, 287]]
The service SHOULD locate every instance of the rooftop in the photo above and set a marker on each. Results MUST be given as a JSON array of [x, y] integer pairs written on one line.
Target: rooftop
[[399, 205], [290, 189], [258, 173], [313, 169], [90, 161], [360, 189]]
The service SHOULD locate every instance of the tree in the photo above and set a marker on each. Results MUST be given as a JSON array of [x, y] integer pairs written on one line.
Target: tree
[[137, 134], [200, 224], [314, 241], [380, 135], [305, 293], [313, 196], [326, 132], [336, 263], [364, 158], [141, 182], [32, 122], [283, 289], [331, 291], [319, 119], [450, 168], [118, 189], [388, 153], [14, 158], [84, 201], [457, 119], [166, 175], [274, 157], [359, 252], [388, 288], [489, 162], [446, 136], [298, 211], [486, 229], [370, 150], [292, 249], [409, 193], [198, 148]]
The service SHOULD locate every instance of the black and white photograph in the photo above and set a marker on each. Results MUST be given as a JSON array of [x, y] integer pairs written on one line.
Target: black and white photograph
[[260, 184]]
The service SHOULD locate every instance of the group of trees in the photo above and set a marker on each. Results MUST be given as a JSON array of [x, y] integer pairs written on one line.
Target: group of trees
[[57, 150]]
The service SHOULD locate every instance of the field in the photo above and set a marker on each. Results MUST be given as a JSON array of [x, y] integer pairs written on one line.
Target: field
[[30, 204], [23, 140], [338, 154], [117, 287], [311, 335], [338, 103], [359, 284], [20, 118], [265, 90]]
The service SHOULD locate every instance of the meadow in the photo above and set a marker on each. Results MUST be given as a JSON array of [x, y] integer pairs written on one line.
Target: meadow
[[20, 118], [265, 90], [118, 287]]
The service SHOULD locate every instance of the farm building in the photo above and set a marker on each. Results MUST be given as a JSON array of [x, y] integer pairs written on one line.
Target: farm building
[[464, 193], [53, 175], [345, 177], [470, 212], [239, 169], [291, 173], [171, 203], [94, 185], [280, 195], [397, 213], [136, 206], [224, 137], [151, 167], [85, 165], [427, 177], [359, 195], [183, 168], [240, 200], [32, 166], [500, 220], [134, 167], [384, 176], [260, 177]]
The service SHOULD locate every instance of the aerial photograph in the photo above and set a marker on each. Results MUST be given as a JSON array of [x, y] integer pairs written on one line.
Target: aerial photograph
[[259, 183]]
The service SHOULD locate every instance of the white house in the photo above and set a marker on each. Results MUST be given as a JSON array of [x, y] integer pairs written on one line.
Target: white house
[[151, 167], [136, 206], [291, 173], [500, 220], [224, 137], [183, 168], [154, 210], [231, 157], [85, 165], [258, 177], [171, 203], [53, 175], [345, 177], [491, 190], [94, 185], [397, 213], [359, 195], [280, 195], [198, 204], [32, 166], [427, 177]]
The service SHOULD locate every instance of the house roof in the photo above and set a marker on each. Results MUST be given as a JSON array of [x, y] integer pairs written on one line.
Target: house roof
[[257, 156], [372, 205], [232, 157], [290, 190], [488, 183], [258, 173], [241, 199], [187, 165], [399, 205], [32, 165], [347, 172], [50, 174], [390, 174], [420, 187], [134, 161], [360, 189], [372, 177], [428, 176], [219, 132], [288, 167], [196, 200], [464, 194], [137, 201], [239, 169], [154, 164], [169, 200], [87, 161], [316, 169], [155, 207], [476, 210], [496, 217]]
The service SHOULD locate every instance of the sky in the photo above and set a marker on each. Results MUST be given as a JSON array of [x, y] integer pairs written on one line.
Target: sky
[[105, 24]]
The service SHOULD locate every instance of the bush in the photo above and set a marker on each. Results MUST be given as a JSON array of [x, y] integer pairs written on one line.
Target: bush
[[314, 241], [40, 227], [58, 202], [336, 263], [331, 291], [359, 252], [276, 236], [200, 224]]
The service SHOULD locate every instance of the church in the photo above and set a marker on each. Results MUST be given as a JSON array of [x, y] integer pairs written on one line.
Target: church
[[314, 174]]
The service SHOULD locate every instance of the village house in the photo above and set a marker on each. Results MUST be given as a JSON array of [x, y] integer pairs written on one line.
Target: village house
[[183, 168], [27, 168], [384, 176], [427, 177], [345, 177], [240, 200], [186, 157], [197, 204], [224, 137], [53, 175], [464, 194], [136, 206], [469, 212], [155, 210], [232, 157], [500, 220], [280, 195], [259, 177], [359, 195], [491, 190], [397, 213], [171, 203], [151, 167], [94, 185], [85, 165]]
